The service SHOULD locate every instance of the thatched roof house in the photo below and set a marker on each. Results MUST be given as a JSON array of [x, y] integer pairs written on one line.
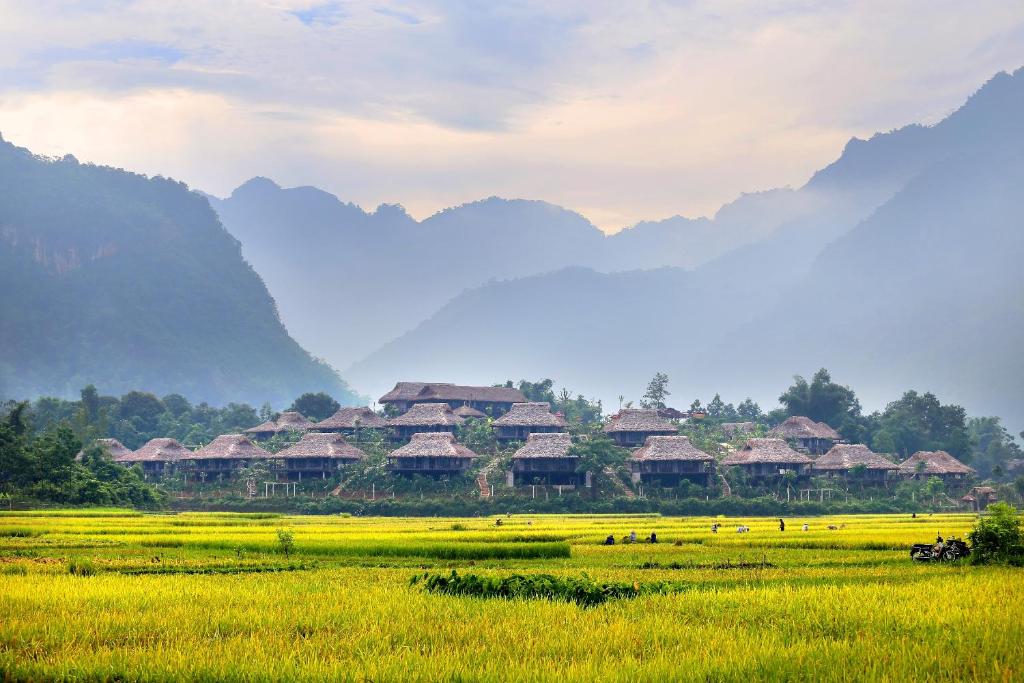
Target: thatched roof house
[[424, 417], [842, 458], [431, 454], [113, 447], [524, 419], [318, 454], [157, 456], [321, 445], [288, 421], [732, 429], [768, 458], [348, 420], [228, 452], [669, 459], [492, 400], [467, 413], [545, 458], [814, 437], [924, 464], [632, 426]]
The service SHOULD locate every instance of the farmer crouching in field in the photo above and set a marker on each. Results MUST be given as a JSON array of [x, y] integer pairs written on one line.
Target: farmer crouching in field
[[610, 540]]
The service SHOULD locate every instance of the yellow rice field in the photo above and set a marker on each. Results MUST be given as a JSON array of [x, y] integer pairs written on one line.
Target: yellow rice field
[[212, 597]]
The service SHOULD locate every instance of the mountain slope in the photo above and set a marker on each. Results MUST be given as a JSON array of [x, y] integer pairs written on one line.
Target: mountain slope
[[130, 282], [907, 225]]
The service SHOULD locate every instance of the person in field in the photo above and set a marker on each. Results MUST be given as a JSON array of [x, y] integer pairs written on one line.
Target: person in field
[[632, 536], [653, 538], [805, 526], [610, 540], [782, 525]]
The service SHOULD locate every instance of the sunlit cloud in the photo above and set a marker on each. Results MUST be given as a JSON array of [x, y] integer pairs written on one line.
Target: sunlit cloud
[[623, 112]]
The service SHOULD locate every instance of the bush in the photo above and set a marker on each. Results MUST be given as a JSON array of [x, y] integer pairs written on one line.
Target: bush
[[81, 567], [286, 541], [997, 536]]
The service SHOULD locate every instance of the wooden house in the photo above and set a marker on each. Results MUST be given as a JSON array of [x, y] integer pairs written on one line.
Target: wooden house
[[979, 498], [319, 455], [926, 464], [157, 457], [114, 448], [524, 419], [734, 429], [493, 401], [431, 454], [350, 421], [765, 460], [666, 460], [631, 427], [842, 459], [424, 417], [470, 413], [806, 434], [226, 454], [544, 458], [286, 422]]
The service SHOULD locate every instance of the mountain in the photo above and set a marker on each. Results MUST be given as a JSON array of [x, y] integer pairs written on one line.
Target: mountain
[[347, 280], [903, 273], [129, 282]]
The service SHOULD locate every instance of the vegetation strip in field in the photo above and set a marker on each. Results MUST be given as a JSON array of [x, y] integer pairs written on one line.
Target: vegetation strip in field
[[584, 591], [728, 564], [254, 569]]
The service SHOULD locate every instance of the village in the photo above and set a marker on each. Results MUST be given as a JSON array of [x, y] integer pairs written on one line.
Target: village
[[419, 426]]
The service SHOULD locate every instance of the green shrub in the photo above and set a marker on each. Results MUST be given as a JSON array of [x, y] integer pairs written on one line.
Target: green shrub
[[286, 541], [584, 591], [997, 536], [81, 567]]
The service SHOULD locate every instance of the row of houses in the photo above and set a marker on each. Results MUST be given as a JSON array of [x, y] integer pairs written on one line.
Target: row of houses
[[424, 418]]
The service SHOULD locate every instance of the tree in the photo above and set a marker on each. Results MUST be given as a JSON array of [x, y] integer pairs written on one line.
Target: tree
[[749, 411], [919, 422], [657, 392], [176, 404], [997, 536], [991, 445], [318, 406], [599, 456], [539, 391], [142, 409], [823, 400]]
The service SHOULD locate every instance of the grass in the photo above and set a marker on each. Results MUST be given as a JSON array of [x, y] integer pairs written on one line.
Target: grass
[[211, 597]]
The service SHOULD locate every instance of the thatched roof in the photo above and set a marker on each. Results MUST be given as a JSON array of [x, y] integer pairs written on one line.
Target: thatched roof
[[427, 415], [353, 418], [530, 415], [232, 447], [465, 412], [288, 421], [421, 391], [935, 462], [433, 445], [669, 448], [159, 450], [768, 451], [115, 448], [844, 457], [639, 420], [799, 427], [321, 445], [733, 428], [545, 445]]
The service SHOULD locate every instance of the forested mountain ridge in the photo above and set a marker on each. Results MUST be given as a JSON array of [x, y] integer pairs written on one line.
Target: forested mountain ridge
[[922, 290], [123, 281]]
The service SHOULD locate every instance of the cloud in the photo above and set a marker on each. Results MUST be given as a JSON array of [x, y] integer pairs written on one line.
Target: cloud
[[623, 111]]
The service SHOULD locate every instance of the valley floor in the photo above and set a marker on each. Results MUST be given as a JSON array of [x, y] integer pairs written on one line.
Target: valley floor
[[214, 596]]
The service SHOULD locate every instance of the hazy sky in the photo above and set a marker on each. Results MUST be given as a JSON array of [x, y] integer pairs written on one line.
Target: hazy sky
[[621, 110]]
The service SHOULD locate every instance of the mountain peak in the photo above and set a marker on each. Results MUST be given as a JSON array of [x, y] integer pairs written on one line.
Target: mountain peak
[[254, 186]]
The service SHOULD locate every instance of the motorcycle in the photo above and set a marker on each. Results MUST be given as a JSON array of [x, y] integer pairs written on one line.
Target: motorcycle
[[948, 551]]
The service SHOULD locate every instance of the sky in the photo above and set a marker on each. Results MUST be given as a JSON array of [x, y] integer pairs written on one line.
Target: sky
[[623, 111]]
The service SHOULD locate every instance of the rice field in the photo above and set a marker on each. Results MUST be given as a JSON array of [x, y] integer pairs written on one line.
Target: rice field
[[214, 597]]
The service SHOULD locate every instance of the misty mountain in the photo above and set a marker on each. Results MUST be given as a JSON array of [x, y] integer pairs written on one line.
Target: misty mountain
[[924, 290], [347, 280], [129, 282]]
